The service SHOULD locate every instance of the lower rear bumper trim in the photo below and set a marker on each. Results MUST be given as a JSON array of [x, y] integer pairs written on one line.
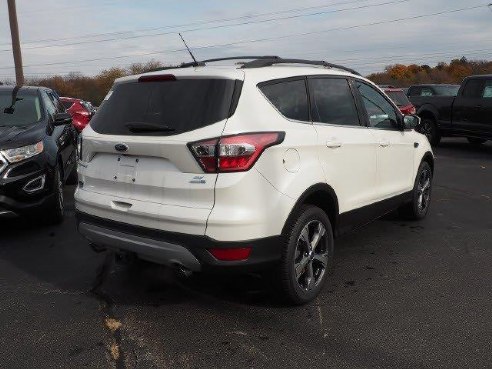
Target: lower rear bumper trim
[[160, 251], [170, 248]]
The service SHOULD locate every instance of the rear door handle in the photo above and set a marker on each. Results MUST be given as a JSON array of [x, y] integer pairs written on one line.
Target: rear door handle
[[332, 144], [384, 143]]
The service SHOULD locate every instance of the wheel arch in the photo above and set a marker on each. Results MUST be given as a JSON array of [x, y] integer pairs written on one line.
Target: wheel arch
[[428, 112], [321, 195], [429, 158]]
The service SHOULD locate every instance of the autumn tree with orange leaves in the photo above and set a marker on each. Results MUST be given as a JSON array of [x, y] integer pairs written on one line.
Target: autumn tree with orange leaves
[[400, 75]]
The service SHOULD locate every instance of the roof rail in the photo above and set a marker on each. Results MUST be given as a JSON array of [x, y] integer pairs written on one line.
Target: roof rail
[[202, 63], [260, 63], [268, 57]]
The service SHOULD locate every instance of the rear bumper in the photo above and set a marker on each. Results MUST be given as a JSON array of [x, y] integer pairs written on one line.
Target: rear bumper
[[177, 249]]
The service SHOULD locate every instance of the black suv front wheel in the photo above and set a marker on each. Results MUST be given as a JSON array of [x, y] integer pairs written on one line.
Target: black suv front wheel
[[56, 207]]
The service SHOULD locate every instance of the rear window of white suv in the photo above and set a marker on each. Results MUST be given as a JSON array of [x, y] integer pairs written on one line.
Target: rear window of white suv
[[164, 107]]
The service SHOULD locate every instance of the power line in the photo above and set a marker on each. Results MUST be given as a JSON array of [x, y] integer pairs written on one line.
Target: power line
[[193, 23], [217, 26], [394, 60], [376, 60], [270, 38], [344, 28]]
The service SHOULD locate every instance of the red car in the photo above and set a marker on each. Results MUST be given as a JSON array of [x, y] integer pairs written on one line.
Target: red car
[[400, 99], [80, 110]]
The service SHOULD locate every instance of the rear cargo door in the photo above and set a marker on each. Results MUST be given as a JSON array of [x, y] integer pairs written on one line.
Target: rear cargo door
[[137, 153]]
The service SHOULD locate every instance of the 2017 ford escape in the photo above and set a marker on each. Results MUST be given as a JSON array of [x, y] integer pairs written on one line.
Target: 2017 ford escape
[[258, 165]]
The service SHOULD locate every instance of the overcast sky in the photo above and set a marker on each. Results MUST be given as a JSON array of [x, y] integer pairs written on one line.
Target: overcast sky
[[59, 36]]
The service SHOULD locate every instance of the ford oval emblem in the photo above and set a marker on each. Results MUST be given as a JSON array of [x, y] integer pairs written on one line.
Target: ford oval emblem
[[121, 147]]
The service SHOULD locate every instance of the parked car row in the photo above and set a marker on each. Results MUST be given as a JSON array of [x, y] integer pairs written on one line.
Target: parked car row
[[449, 110], [455, 111]]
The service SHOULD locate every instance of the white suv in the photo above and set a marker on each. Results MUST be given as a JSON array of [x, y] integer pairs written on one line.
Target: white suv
[[252, 166]]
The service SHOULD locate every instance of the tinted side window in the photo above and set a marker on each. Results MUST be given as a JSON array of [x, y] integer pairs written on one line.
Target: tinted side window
[[487, 92], [289, 97], [474, 88], [381, 113], [426, 91], [56, 102], [332, 102], [48, 104]]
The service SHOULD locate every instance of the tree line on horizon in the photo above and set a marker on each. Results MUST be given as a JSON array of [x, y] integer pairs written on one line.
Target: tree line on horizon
[[94, 88], [400, 75], [88, 88]]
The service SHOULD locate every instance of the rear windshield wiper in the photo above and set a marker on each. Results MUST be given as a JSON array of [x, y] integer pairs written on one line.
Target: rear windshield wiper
[[136, 127]]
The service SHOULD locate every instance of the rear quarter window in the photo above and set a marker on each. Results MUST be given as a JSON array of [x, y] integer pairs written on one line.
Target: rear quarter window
[[289, 97], [182, 105]]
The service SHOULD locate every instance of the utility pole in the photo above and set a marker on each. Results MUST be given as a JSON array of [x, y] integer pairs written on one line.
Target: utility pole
[[14, 31]]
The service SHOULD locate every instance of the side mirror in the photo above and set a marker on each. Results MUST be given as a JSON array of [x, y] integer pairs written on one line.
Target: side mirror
[[62, 118], [411, 121]]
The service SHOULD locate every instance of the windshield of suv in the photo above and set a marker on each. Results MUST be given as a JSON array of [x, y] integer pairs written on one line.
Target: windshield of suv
[[163, 107], [25, 111], [447, 90], [399, 98]]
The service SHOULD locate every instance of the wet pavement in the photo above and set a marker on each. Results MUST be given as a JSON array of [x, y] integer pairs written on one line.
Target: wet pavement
[[402, 295]]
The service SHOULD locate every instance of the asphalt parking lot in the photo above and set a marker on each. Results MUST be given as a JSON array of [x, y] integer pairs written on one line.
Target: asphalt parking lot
[[403, 295]]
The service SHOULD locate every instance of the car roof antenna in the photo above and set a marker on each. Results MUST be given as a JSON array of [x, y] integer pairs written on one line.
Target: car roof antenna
[[187, 48]]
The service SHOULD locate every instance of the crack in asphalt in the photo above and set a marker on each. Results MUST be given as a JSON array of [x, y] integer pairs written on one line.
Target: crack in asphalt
[[109, 320]]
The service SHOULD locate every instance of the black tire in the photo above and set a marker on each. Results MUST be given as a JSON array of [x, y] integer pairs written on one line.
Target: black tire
[[421, 195], [56, 207], [313, 266], [476, 141], [431, 131]]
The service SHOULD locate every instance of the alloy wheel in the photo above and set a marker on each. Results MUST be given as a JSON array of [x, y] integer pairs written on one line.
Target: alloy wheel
[[311, 255], [423, 190]]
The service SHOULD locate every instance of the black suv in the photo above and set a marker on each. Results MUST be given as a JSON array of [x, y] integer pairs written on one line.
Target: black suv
[[37, 152]]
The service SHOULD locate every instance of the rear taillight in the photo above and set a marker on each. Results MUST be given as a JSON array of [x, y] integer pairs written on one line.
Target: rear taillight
[[235, 153]]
